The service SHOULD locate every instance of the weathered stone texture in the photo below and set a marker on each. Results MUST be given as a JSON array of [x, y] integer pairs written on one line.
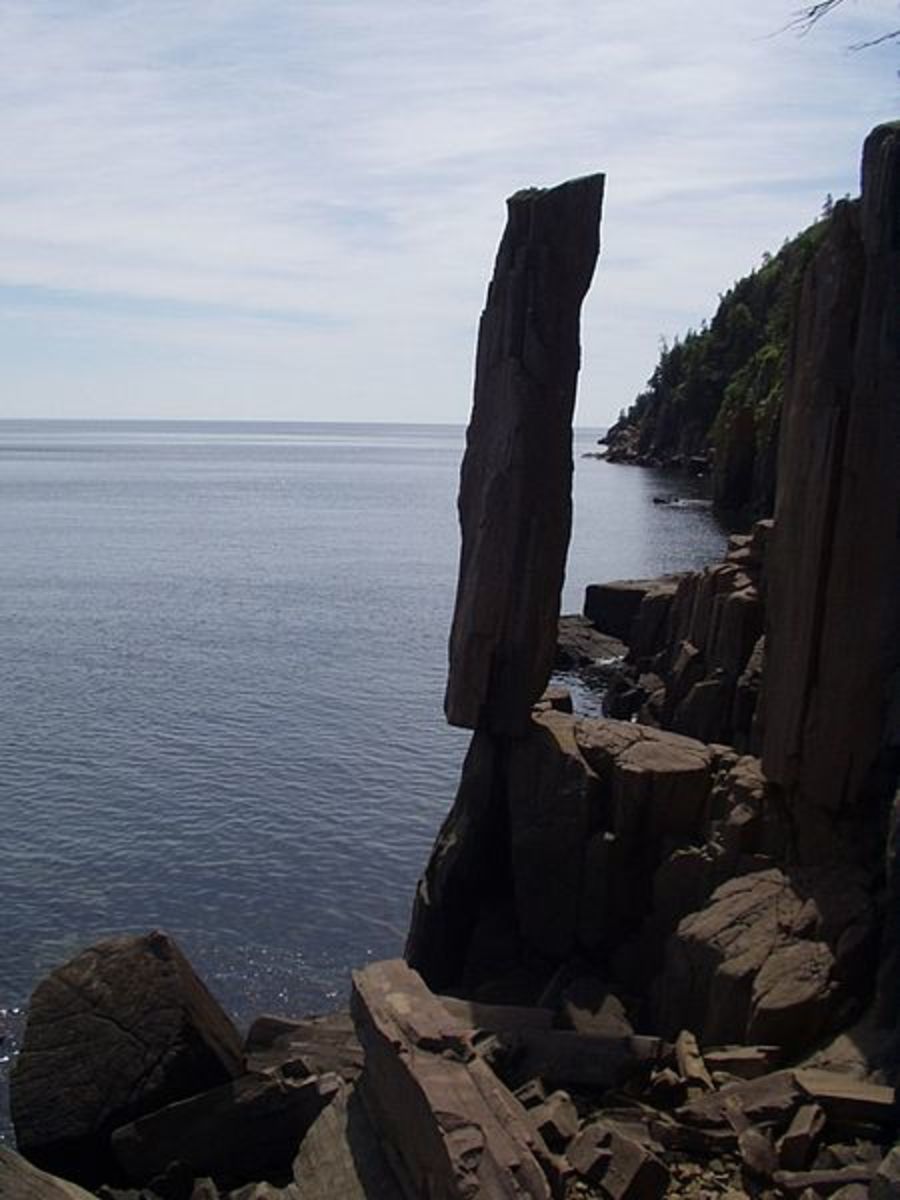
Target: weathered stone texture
[[120, 1030], [772, 958], [833, 636], [515, 490], [468, 866], [440, 1110]]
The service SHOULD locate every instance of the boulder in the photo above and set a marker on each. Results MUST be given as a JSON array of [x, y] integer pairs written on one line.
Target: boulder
[[20, 1180], [118, 1031], [515, 488]]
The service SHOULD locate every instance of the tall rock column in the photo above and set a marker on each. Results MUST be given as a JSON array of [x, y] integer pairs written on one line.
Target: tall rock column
[[515, 509], [515, 500], [833, 639]]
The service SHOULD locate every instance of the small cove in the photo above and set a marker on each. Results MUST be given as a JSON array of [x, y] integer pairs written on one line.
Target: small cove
[[224, 650]]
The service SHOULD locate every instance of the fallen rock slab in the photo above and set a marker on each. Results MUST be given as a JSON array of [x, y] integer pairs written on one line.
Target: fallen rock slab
[[246, 1130], [746, 1062], [341, 1158], [846, 1099], [824, 1182], [313, 1046], [563, 1058], [770, 1100], [439, 1109], [118, 1031], [19, 1180]]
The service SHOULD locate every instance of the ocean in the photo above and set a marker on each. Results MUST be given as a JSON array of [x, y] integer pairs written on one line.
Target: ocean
[[223, 655]]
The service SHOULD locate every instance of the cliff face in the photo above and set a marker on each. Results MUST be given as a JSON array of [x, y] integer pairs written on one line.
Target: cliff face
[[737, 895], [834, 605], [714, 401]]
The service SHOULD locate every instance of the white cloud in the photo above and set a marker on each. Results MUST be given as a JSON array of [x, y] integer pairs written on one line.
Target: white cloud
[[286, 196]]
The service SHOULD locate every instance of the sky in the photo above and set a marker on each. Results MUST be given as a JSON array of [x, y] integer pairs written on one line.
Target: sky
[[289, 209]]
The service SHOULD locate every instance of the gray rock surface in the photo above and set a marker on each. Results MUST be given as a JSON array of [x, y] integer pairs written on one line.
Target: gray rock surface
[[515, 489]]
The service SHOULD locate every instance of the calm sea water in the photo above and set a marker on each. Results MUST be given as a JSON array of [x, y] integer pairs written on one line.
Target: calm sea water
[[223, 655]]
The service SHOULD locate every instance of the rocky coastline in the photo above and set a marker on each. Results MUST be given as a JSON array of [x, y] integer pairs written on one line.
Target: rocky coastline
[[654, 953]]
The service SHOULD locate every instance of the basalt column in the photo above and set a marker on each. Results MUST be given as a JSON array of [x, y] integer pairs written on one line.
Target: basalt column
[[831, 703], [515, 499], [515, 510]]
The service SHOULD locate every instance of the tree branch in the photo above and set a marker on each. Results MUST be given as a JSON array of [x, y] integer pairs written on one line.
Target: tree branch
[[805, 18]]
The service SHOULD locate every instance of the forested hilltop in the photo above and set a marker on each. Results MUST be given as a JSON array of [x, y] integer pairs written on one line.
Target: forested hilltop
[[714, 400]]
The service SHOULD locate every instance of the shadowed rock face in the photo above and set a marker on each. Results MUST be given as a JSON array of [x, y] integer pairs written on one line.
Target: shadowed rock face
[[118, 1031], [515, 494], [833, 641]]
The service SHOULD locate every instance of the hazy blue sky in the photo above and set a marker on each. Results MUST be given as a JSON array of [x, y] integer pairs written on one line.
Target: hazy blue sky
[[288, 209]]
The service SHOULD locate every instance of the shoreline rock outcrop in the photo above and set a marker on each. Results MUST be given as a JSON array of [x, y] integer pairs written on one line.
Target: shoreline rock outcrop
[[611, 846]]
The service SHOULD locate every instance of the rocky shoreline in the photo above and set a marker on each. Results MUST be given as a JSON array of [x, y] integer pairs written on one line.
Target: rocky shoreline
[[647, 957]]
